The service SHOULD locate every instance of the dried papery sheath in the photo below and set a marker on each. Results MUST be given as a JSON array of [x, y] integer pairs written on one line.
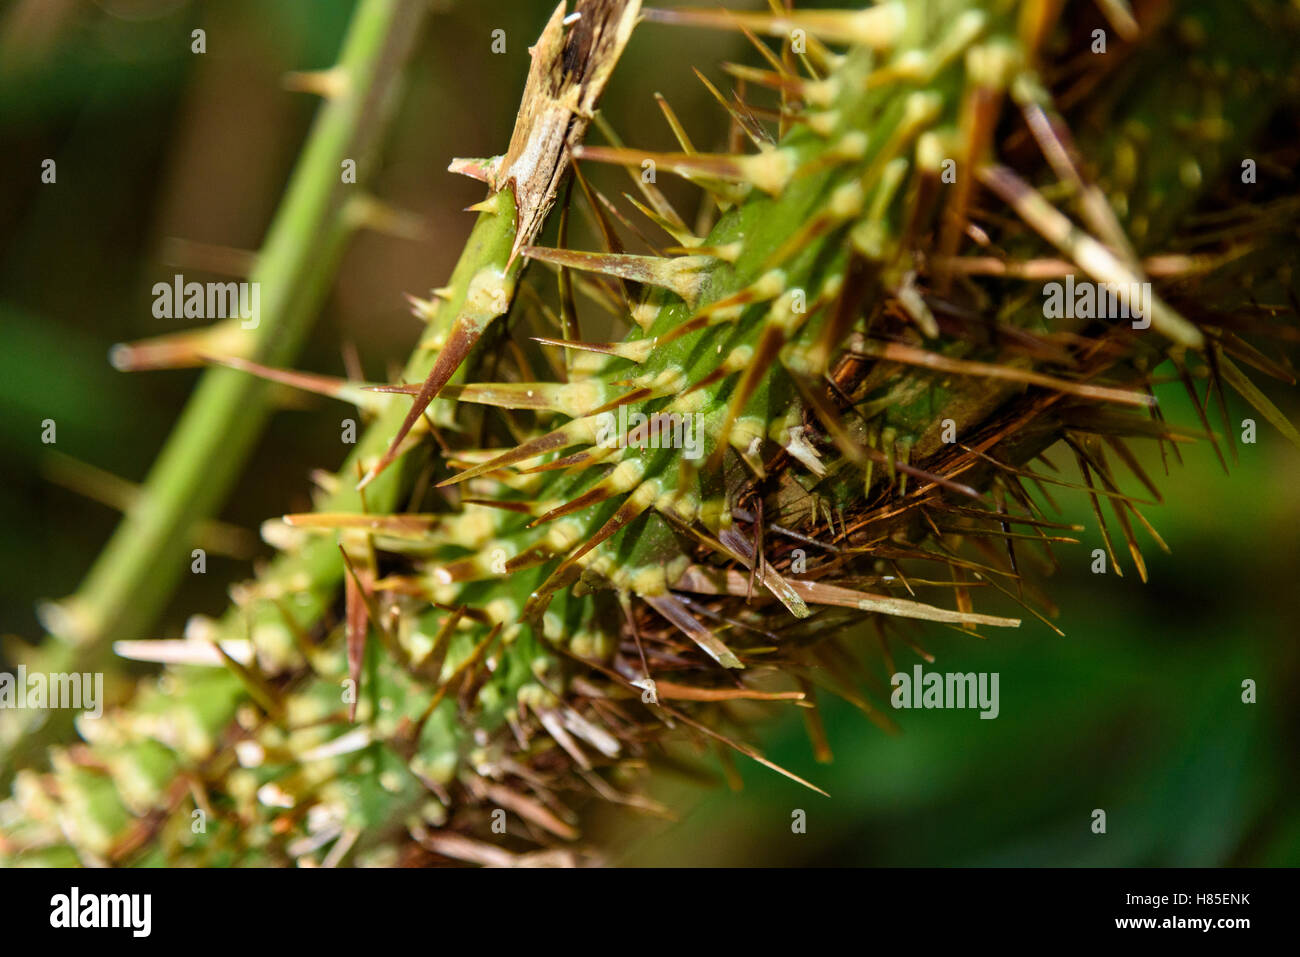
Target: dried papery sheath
[[568, 74]]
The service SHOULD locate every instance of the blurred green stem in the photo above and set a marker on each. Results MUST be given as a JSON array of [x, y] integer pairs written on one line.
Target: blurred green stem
[[136, 573]]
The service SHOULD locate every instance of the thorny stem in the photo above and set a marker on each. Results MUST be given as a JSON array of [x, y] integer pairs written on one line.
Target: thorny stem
[[312, 571], [1152, 216], [137, 571]]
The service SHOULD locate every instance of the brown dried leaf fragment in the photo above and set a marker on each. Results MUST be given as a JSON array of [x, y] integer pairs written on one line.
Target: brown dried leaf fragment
[[567, 76]]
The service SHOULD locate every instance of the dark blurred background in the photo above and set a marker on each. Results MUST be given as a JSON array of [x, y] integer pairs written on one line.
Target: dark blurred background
[[165, 156]]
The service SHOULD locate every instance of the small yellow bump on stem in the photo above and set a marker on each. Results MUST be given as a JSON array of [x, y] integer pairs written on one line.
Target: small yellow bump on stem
[[588, 644], [578, 398], [502, 611], [823, 123], [714, 513], [474, 526], [933, 147], [851, 146], [489, 292], [769, 171], [666, 382], [648, 580], [646, 312], [688, 402], [769, 285], [821, 92], [563, 535], [994, 65], [626, 476], [738, 358], [747, 433], [727, 252], [920, 110], [846, 201], [910, 65]]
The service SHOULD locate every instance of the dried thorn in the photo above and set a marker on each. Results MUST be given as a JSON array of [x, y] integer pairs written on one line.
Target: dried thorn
[[768, 171], [329, 84], [878, 27], [358, 394], [675, 612], [683, 275], [551, 442], [1262, 404], [758, 136], [403, 525], [663, 209], [180, 350], [1091, 256], [909, 355], [357, 616], [254, 683], [483, 170], [636, 350], [207, 257], [1119, 14], [99, 485], [464, 334], [185, 651], [679, 131]]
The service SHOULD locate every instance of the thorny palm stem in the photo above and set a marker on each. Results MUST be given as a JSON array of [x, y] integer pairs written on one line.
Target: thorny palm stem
[[310, 572]]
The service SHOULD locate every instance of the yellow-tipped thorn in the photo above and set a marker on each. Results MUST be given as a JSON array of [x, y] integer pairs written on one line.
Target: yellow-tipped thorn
[[683, 275], [330, 84]]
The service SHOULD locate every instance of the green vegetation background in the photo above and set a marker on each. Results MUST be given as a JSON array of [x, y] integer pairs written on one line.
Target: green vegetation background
[[1136, 711]]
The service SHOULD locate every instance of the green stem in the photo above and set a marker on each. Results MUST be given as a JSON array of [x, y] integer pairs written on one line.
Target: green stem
[[136, 573], [303, 582], [314, 569]]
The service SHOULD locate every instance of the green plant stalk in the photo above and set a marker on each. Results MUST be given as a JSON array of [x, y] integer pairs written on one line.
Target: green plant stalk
[[136, 573], [315, 563], [314, 567], [301, 583]]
